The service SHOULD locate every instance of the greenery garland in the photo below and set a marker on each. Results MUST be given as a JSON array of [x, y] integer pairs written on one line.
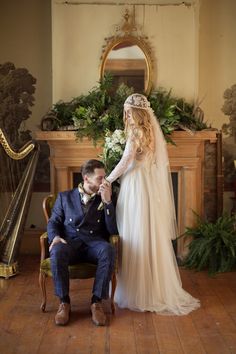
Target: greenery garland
[[101, 110]]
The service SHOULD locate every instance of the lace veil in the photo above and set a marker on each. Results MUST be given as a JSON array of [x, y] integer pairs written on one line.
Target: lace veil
[[163, 174]]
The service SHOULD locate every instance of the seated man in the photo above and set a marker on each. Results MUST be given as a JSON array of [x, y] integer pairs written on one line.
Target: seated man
[[78, 230]]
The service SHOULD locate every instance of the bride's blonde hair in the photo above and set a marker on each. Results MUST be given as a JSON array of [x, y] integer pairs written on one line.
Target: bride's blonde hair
[[140, 130]]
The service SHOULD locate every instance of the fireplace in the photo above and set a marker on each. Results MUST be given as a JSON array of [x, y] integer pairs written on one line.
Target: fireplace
[[187, 162]]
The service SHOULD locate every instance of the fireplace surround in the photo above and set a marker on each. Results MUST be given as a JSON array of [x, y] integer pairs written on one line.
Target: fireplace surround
[[195, 183]]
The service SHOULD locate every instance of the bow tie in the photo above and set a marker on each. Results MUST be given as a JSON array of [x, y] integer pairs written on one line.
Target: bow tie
[[85, 197]]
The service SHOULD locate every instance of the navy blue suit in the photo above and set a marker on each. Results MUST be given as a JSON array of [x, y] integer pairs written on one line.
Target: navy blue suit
[[87, 238]]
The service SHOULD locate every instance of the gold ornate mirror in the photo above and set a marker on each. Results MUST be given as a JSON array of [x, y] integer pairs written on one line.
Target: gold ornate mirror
[[128, 58]]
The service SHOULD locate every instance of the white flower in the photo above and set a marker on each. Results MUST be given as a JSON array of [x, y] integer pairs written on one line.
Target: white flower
[[113, 147], [117, 148], [115, 140], [118, 133]]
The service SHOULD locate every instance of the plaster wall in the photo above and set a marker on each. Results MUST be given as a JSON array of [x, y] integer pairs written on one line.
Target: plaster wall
[[217, 53], [25, 37], [78, 33]]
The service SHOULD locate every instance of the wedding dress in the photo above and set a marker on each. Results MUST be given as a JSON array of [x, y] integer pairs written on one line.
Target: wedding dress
[[148, 278]]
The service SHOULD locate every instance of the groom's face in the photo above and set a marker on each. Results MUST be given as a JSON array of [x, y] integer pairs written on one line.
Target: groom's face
[[93, 181]]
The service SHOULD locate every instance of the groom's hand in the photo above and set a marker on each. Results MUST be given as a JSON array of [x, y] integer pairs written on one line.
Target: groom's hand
[[56, 240]]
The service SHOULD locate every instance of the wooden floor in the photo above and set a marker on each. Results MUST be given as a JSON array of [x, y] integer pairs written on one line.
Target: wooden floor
[[24, 329]]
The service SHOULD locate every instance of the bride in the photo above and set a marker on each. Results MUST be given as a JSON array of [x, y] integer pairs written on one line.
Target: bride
[[148, 278]]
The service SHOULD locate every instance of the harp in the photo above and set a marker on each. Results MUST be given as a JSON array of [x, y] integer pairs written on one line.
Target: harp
[[17, 169]]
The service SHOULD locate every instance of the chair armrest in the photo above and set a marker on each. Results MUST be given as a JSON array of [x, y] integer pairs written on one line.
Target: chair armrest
[[43, 245], [115, 241]]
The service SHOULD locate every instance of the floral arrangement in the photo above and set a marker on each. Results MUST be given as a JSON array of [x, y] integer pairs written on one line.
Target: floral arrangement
[[113, 148]]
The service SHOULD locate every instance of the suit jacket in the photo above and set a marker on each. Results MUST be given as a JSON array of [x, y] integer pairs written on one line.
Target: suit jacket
[[69, 221]]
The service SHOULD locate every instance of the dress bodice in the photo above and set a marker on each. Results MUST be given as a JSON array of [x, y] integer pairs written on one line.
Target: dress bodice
[[131, 158]]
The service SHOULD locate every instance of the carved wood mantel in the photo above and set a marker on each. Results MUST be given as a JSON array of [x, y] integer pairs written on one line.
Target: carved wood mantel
[[186, 159]]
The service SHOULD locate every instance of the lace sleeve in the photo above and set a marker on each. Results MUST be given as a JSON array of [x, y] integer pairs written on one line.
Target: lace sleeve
[[127, 158]]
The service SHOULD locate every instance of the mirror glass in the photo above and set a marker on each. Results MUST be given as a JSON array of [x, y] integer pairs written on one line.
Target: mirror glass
[[127, 63]]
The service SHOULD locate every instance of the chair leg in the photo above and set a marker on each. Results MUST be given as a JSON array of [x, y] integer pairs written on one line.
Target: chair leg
[[113, 289], [42, 284]]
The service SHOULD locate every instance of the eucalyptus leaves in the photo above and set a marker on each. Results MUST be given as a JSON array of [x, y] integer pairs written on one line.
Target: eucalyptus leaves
[[102, 109]]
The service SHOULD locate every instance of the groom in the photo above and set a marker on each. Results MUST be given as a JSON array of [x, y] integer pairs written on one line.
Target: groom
[[78, 230]]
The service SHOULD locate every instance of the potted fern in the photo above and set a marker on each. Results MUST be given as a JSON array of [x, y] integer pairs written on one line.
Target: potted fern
[[213, 245]]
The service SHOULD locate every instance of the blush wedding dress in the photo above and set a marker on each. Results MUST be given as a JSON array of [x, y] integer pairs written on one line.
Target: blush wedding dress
[[148, 278]]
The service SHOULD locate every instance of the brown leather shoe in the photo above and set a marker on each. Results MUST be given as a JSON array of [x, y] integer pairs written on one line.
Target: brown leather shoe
[[98, 315], [63, 314]]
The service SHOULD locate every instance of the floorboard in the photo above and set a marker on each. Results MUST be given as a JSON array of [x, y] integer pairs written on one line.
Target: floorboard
[[24, 329]]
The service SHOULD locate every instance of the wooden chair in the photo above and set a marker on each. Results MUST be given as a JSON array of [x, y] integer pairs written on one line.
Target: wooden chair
[[77, 271]]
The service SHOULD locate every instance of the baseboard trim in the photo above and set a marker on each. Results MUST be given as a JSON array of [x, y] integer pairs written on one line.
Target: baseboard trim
[[30, 242]]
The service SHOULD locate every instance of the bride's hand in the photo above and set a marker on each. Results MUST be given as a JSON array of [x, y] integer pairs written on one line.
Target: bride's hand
[[104, 184]]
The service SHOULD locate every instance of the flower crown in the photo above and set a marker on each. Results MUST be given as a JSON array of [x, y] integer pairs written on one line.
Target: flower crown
[[137, 100]]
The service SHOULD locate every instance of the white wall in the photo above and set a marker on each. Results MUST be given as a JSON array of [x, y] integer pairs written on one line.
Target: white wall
[[217, 56], [78, 33], [25, 37]]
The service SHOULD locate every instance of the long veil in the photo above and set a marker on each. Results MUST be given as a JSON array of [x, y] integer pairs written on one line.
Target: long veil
[[166, 196]]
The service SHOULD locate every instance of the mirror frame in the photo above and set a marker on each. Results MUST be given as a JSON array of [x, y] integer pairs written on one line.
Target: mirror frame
[[142, 44]]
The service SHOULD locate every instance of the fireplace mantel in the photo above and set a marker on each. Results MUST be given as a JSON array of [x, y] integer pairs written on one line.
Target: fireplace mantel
[[186, 159]]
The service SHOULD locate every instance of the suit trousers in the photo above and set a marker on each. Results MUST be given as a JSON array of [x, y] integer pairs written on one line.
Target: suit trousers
[[99, 252]]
